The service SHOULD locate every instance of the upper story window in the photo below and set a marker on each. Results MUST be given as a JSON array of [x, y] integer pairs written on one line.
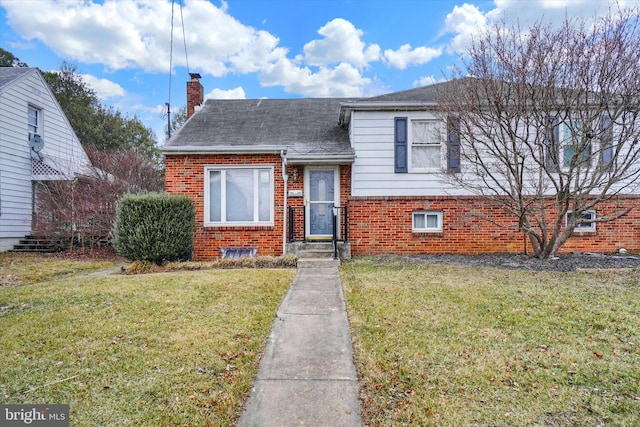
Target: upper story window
[[425, 146], [239, 196], [419, 145], [576, 143], [34, 118]]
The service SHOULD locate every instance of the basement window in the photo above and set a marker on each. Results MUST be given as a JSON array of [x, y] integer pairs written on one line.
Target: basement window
[[427, 222], [237, 253], [587, 221]]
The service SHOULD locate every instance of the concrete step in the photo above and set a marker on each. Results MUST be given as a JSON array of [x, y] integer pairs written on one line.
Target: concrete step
[[318, 263]]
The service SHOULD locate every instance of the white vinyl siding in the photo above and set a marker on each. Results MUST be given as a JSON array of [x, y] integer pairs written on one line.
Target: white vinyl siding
[[373, 172], [239, 195]]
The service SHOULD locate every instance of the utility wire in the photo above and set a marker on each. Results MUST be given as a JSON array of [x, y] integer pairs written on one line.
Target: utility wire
[[184, 39], [170, 72]]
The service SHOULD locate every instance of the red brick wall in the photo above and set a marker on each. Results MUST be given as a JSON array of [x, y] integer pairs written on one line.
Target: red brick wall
[[380, 225], [185, 175]]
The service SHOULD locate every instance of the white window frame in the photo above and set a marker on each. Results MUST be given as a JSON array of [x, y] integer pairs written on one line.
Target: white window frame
[[586, 227], [567, 140], [426, 228], [412, 143], [207, 195], [37, 128]]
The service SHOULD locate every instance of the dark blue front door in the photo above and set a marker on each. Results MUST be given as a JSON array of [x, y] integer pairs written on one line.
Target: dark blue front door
[[321, 201]]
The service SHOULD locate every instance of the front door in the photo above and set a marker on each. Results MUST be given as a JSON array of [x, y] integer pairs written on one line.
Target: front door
[[321, 195]]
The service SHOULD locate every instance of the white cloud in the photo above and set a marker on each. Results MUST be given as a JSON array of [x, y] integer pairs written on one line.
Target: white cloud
[[237, 93], [104, 88], [405, 56], [343, 80], [341, 43], [136, 34], [465, 22]]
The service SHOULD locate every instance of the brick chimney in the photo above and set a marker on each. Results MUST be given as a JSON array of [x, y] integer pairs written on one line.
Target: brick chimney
[[195, 93]]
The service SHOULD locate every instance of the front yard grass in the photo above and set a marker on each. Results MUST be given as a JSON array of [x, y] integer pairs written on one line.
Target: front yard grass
[[465, 346], [166, 349]]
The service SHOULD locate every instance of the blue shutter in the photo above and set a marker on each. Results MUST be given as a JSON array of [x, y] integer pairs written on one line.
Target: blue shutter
[[453, 144], [552, 144], [400, 144], [606, 140]]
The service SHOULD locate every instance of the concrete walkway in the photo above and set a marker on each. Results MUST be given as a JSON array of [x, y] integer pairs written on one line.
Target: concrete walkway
[[307, 376]]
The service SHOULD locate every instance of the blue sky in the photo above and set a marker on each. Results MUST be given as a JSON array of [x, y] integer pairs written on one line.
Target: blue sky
[[258, 48]]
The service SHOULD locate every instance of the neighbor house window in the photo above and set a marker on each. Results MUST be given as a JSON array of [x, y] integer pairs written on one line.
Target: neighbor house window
[[239, 196], [587, 219], [427, 221], [34, 117], [425, 146]]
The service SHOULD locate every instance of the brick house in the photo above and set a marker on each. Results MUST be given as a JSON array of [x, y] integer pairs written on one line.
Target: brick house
[[268, 174]]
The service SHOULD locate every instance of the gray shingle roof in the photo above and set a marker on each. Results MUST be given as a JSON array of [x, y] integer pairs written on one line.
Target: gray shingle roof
[[9, 74], [306, 126]]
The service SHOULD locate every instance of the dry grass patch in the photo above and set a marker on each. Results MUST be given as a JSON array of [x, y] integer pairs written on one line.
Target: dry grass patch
[[23, 268], [459, 346], [176, 348]]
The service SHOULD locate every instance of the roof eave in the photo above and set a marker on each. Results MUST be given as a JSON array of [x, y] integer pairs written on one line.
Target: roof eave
[[223, 149], [347, 108]]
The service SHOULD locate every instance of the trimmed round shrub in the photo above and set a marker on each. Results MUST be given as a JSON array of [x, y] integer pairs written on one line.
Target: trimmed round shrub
[[155, 227]]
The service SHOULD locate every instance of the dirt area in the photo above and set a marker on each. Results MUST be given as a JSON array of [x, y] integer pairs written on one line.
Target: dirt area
[[564, 262]]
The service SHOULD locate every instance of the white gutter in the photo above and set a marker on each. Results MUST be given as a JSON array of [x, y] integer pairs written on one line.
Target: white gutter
[[224, 149], [316, 159], [285, 177]]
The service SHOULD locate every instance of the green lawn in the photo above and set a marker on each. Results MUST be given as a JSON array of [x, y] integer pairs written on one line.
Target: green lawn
[[165, 349], [458, 346]]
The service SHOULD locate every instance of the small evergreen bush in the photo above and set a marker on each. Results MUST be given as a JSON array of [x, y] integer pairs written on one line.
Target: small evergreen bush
[[154, 227]]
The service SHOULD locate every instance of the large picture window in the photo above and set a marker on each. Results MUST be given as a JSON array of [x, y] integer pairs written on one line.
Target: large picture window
[[238, 196]]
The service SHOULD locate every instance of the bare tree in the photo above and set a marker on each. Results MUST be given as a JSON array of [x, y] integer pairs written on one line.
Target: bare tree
[[547, 121], [81, 209]]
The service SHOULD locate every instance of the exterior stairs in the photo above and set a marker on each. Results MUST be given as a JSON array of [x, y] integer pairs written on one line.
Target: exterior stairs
[[319, 250], [41, 244]]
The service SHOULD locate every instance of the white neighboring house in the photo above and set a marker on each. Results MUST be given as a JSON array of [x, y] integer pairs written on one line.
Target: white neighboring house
[[28, 108]]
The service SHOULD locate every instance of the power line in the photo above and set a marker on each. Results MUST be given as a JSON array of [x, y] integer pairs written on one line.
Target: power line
[[184, 39], [168, 104]]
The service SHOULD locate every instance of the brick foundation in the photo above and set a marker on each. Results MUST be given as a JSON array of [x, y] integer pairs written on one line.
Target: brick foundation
[[382, 225]]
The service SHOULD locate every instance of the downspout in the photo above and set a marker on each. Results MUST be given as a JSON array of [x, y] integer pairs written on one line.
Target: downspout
[[285, 177]]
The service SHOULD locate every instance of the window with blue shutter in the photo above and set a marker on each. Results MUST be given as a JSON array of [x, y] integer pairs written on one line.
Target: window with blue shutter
[[400, 144], [453, 144], [552, 144], [606, 140]]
